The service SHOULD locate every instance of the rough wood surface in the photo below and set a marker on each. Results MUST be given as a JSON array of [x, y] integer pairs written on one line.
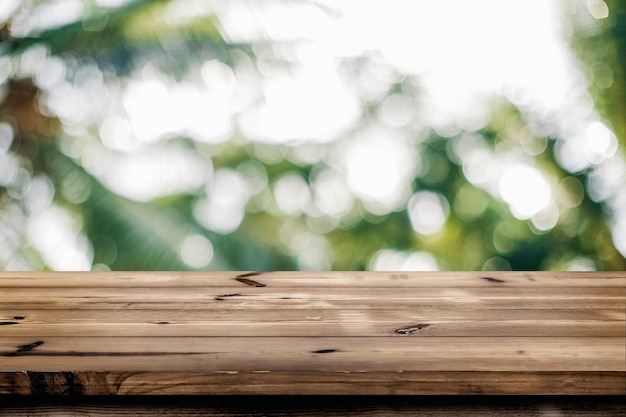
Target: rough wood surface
[[300, 406], [313, 333]]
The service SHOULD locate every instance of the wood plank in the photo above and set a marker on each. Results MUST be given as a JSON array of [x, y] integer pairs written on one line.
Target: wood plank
[[234, 303], [284, 279], [314, 383], [311, 406], [70, 316], [431, 328], [383, 295], [330, 323], [333, 354], [232, 298], [318, 332]]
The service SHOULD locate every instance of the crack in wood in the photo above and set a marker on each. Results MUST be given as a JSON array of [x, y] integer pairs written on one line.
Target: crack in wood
[[7, 323], [325, 351], [249, 274], [22, 349], [29, 347], [496, 280], [249, 282], [405, 331], [223, 296]]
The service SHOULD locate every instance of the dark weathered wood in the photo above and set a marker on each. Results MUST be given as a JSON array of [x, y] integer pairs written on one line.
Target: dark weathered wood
[[318, 332], [312, 383], [299, 406]]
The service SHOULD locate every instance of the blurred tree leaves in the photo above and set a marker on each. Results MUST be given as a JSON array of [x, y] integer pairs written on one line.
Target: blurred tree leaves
[[479, 231], [602, 55]]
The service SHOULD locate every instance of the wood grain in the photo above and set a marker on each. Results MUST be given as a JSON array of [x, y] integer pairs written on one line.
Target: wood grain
[[431, 406], [311, 383], [284, 279], [313, 333]]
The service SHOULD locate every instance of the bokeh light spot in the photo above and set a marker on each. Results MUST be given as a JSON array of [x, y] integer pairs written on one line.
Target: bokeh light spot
[[470, 203], [224, 207], [116, 134], [379, 168], [428, 212], [393, 260], [525, 190], [395, 111], [148, 173], [505, 237], [6, 137], [600, 142], [546, 219], [496, 263], [603, 75], [571, 192], [598, 9], [331, 195], [533, 140], [57, 236], [292, 193], [196, 251]]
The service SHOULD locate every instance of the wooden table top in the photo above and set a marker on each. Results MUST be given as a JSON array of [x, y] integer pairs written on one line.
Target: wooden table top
[[313, 333]]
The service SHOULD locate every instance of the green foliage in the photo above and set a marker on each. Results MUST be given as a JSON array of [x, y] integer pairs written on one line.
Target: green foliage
[[479, 230], [602, 53]]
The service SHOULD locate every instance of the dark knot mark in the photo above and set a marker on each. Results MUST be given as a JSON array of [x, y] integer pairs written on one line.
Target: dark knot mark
[[52, 383], [223, 296], [411, 329], [496, 280], [249, 282], [325, 351], [249, 274], [7, 323], [24, 348]]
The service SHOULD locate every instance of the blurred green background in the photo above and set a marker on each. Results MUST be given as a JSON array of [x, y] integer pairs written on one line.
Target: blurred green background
[[312, 135]]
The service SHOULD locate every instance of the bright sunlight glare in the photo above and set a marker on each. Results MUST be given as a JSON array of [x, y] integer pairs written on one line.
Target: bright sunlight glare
[[525, 189]]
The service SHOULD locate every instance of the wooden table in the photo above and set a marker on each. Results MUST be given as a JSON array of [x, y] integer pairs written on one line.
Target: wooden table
[[101, 333]]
